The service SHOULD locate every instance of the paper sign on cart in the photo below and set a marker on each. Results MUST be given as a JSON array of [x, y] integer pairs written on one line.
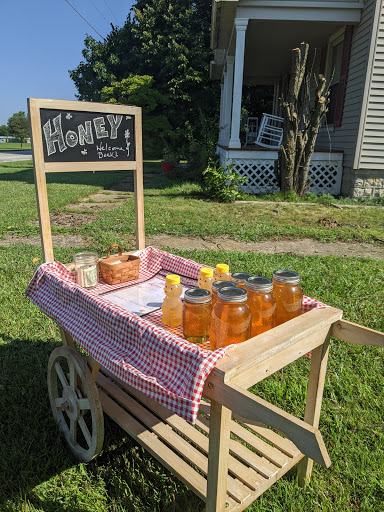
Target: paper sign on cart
[[142, 298]]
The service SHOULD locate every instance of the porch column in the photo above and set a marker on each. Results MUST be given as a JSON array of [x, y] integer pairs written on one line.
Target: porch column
[[221, 121], [227, 106], [241, 27]]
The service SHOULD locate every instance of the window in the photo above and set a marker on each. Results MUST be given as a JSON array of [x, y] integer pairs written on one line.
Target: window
[[339, 49]]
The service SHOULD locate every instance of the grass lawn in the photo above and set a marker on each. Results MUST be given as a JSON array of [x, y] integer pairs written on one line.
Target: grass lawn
[[38, 473], [14, 146]]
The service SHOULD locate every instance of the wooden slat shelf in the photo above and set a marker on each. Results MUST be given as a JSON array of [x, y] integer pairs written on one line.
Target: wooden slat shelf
[[183, 449]]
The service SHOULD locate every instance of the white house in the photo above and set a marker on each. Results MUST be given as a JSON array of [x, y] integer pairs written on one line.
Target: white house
[[252, 42]]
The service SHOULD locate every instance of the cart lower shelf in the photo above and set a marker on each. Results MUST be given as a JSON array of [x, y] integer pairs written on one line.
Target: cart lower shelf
[[258, 455]]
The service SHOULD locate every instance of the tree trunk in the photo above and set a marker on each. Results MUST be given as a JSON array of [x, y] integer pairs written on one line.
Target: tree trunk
[[287, 154], [299, 133]]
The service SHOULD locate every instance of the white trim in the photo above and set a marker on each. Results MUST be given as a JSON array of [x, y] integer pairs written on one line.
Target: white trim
[[368, 82]]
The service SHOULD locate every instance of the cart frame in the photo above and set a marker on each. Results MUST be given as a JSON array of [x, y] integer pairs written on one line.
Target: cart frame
[[218, 467]]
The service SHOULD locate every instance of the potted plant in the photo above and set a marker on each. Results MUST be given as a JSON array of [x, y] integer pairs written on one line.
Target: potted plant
[[170, 160]]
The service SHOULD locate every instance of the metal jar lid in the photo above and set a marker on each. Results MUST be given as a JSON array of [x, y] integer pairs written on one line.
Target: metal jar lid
[[197, 296], [259, 284], [286, 277], [232, 294], [239, 277], [216, 285]]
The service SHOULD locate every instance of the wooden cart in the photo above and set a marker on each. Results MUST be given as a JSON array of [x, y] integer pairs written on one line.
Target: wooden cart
[[227, 471]]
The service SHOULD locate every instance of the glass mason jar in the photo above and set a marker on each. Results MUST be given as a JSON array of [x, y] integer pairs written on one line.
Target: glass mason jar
[[239, 278], [262, 303], [231, 318], [216, 287], [196, 315], [87, 269], [289, 296]]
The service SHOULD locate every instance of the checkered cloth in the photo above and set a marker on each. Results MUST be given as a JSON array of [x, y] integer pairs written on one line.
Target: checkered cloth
[[138, 350]]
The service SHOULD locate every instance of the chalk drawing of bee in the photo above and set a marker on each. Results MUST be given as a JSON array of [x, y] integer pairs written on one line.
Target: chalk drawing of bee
[[128, 117], [68, 116], [84, 152]]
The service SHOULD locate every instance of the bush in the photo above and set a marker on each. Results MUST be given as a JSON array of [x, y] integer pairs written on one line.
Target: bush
[[222, 183]]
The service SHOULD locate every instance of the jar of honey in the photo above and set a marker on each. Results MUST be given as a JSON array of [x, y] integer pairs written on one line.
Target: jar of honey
[[231, 318], [205, 278], [262, 303], [196, 315], [216, 287], [289, 296], [222, 272], [239, 278]]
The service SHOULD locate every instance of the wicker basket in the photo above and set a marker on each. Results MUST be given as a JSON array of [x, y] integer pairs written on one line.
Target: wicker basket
[[115, 273]]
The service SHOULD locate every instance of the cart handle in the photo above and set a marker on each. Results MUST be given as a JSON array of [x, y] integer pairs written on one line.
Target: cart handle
[[120, 253], [357, 334], [307, 438]]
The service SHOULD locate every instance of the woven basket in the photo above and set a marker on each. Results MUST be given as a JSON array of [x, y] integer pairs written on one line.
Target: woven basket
[[115, 273]]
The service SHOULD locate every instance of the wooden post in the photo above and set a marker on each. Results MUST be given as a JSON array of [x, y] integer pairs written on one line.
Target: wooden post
[[313, 404], [139, 186], [219, 433], [41, 183]]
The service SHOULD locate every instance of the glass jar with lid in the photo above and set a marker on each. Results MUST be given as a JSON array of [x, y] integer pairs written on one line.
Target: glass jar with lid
[[197, 315], [231, 318], [289, 296], [239, 278], [87, 269], [216, 287], [262, 303]]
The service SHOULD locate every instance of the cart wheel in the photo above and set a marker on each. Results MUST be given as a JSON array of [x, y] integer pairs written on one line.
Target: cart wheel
[[75, 402]]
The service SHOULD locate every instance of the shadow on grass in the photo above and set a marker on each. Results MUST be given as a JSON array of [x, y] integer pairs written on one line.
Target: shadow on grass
[[37, 467]]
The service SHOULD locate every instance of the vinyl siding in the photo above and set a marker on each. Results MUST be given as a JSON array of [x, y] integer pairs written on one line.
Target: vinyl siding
[[370, 148], [345, 136]]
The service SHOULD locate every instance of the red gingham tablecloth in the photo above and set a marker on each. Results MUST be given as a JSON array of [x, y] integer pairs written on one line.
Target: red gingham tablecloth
[[138, 350]]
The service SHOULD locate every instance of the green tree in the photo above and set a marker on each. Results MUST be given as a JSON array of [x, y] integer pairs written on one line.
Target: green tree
[[167, 40], [4, 131], [19, 126], [139, 90]]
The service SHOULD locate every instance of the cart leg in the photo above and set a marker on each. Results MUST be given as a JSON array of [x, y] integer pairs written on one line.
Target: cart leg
[[219, 433], [313, 403], [66, 338]]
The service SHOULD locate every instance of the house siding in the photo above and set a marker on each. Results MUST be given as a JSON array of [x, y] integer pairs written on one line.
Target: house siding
[[370, 151], [345, 137]]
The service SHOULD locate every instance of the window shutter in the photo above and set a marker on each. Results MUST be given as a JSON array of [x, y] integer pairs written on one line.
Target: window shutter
[[339, 107]]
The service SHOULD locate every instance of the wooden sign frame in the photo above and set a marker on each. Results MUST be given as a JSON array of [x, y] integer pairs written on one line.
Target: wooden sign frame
[[41, 167]]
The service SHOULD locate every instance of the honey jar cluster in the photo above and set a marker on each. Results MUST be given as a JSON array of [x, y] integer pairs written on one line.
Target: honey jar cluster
[[228, 309]]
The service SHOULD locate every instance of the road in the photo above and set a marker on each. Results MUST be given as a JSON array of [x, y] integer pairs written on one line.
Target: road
[[15, 156]]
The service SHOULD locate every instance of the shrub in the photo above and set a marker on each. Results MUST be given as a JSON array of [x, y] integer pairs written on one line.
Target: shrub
[[222, 183]]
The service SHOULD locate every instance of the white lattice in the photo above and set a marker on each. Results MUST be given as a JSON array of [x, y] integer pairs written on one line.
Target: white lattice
[[324, 172], [325, 176], [260, 175]]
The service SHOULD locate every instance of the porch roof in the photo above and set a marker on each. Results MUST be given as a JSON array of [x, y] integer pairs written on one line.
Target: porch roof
[[275, 26]]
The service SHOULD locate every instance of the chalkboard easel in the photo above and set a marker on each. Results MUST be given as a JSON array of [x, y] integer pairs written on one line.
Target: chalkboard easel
[[73, 136]]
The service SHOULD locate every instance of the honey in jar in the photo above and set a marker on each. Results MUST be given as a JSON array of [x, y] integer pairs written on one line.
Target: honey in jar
[[216, 287], [172, 307], [196, 315], [289, 296], [222, 272], [239, 278], [205, 279], [231, 318], [262, 303]]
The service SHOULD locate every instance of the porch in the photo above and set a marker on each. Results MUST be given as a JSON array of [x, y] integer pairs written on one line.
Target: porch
[[258, 166]]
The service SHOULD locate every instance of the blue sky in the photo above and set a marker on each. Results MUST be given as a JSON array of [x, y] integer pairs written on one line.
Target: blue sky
[[40, 40]]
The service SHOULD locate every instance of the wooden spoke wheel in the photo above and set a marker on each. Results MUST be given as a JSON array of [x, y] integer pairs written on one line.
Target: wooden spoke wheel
[[75, 402]]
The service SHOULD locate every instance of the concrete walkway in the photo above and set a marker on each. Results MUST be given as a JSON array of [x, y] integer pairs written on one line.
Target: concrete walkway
[[15, 156]]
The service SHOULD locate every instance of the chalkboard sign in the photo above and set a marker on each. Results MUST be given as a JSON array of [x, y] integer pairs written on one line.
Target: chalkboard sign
[[77, 136], [73, 136]]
